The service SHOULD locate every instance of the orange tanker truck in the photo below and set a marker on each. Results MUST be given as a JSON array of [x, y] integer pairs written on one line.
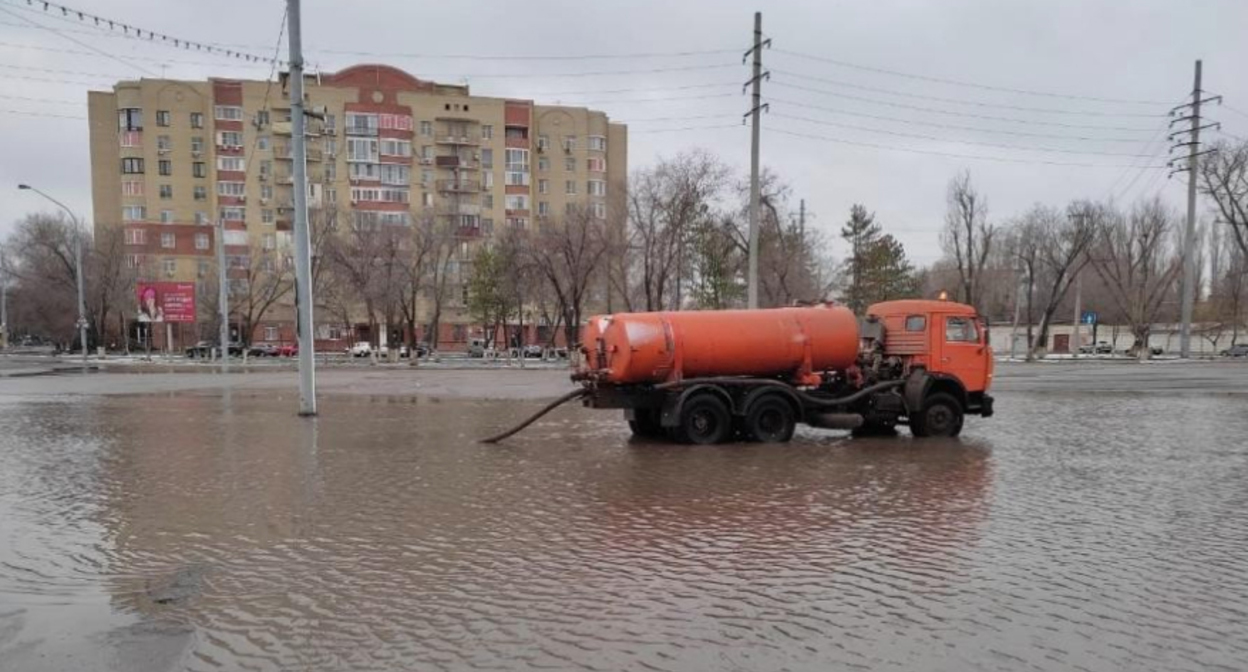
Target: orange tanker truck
[[713, 376]]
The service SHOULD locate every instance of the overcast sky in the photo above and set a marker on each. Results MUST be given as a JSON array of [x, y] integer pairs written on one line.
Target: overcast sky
[[847, 124]]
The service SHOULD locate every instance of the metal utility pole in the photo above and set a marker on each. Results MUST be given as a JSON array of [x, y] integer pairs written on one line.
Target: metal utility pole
[[1187, 287], [303, 242], [223, 300], [756, 109], [4, 313], [801, 219], [1078, 323], [78, 270]]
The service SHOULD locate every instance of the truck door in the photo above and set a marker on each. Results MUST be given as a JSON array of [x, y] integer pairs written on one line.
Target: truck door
[[963, 351]]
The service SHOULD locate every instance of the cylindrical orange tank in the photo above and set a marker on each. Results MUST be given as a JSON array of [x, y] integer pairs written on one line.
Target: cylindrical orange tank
[[659, 347]]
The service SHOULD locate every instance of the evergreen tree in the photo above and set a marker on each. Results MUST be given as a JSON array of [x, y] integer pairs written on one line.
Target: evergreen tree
[[862, 234]]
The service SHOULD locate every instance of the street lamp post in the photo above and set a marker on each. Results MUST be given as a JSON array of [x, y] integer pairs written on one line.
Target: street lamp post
[[78, 270]]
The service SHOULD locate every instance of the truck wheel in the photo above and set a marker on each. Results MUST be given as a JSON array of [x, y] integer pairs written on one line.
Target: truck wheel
[[770, 419], [941, 416], [704, 420], [646, 425]]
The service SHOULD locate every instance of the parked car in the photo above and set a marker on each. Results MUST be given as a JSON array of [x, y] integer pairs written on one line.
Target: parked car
[[206, 349], [476, 347], [533, 351], [1101, 348], [361, 349], [422, 349], [262, 350], [1237, 350], [288, 350]]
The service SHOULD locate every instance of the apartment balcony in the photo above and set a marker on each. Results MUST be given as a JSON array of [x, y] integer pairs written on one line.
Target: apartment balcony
[[459, 186], [457, 163], [360, 129], [285, 179], [457, 140], [286, 128], [470, 209], [285, 152]]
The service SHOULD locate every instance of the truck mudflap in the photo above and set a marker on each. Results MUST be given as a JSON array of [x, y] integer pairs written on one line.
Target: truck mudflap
[[985, 406]]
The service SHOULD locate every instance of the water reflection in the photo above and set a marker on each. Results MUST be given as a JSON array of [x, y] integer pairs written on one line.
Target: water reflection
[[224, 533]]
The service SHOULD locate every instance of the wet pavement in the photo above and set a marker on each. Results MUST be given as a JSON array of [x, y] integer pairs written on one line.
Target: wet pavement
[[204, 527]]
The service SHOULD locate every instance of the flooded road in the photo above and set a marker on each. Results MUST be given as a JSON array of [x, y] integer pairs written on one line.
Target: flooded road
[[191, 530]]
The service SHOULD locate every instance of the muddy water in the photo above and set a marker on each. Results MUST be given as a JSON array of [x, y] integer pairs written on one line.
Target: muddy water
[[196, 532]]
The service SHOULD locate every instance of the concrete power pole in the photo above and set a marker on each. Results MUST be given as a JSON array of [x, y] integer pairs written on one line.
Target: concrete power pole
[[801, 219], [303, 239], [756, 109], [223, 299]]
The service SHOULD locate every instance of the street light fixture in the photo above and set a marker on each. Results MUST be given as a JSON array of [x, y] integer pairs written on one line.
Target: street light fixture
[[78, 271]]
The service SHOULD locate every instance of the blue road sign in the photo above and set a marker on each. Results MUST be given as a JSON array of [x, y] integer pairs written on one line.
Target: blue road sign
[[1089, 317]]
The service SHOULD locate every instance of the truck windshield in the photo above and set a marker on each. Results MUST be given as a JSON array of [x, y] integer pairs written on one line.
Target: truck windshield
[[961, 330]]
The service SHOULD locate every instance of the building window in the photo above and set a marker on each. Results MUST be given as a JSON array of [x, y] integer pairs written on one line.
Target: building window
[[331, 123], [266, 216], [487, 201], [203, 268], [197, 120], [331, 172], [230, 139], [228, 112], [168, 240], [262, 142], [543, 186], [543, 164], [596, 164], [266, 192], [166, 191], [201, 218], [134, 260], [569, 209], [132, 188], [165, 166], [166, 216], [331, 196], [596, 188], [598, 143], [199, 169], [362, 149], [391, 147], [235, 238], [518, 222], [517, 167], [569, 164], [543, 208], [170, 266], [201, 241], [163, 143], [132, 166], [130, 119], [269, 241], [426, 128], [364, 171], [232, 189], [201, 193], [262, 118], [361, 124], [331, 147], [569, 187], [543, 142], [270, 333], [131, 139], [569, 143], [426, 178], [266, 168], [488, 180], [517, 133], [395, 174], [133, 213], [233, 213], [162, 117], [234, 164], [197, 145], [136, 237], [487, 158], [426, 199], [395, 122], [517, 202], [598, 209], [487, 132]]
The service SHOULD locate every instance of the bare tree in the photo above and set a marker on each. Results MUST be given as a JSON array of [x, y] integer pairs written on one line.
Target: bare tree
[[968, 236], [568, 255], [1052, 249], [258, 281], [1224, 178], [1137, 264]]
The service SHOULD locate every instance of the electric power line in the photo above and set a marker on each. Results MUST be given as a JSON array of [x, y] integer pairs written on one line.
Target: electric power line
[[934, 110], [525, 57], [683, 128], [268, 86], [956, 101], [999, 159], [955, 82], [42, 100], [932, 124], [917, 136], [148, 59], [76, 40], [42, 114]]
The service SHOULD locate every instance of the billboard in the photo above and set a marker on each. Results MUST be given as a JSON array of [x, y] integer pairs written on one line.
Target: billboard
[[166, 301]]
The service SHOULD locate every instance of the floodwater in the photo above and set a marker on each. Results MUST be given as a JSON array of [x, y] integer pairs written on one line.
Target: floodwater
[[195, 531]]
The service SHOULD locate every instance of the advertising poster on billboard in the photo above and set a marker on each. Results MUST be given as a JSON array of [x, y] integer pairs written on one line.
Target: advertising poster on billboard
[[166, 301]]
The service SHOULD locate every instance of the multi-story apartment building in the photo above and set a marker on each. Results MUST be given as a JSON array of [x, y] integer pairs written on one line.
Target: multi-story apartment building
[[170, 160]]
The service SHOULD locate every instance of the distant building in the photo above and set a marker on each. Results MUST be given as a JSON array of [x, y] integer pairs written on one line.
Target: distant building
[[169, 159]]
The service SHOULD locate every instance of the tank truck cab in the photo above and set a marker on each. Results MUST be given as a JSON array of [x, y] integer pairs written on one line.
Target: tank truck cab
[[941, 349]]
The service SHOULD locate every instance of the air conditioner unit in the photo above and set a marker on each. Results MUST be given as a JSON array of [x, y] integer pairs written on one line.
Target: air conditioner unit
[[463, 139], [264, 177], [332, 155], [196, 154], [541, 149], [476, 156], [162, 152], [264, 201]]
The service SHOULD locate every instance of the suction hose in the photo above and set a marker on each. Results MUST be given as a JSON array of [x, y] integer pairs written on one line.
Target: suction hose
[[576, 394]]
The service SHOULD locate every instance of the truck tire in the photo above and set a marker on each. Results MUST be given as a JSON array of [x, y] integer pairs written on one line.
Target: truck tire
[[704, 420], [770, 419], [941, 416], [646, 425]]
